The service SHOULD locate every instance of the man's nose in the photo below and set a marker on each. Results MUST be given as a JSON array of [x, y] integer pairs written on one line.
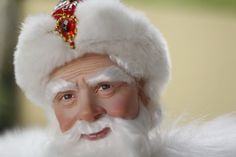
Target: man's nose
[[88, 108], [90, 112]]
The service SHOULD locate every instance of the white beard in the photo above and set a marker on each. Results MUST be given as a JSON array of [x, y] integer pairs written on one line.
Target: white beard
[[128, 138]]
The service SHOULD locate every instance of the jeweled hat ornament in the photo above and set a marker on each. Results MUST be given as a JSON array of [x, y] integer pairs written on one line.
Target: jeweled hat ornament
[[66, 20]]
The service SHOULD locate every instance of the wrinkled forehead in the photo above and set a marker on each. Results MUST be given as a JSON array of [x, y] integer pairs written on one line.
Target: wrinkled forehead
[[83, 66], [93, 70]]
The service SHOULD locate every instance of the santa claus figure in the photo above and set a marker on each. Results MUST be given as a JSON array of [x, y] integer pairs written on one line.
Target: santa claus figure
[[98, 69]]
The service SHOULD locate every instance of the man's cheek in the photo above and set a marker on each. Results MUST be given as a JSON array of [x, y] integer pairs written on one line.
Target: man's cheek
[[65, 120], [122, 107]]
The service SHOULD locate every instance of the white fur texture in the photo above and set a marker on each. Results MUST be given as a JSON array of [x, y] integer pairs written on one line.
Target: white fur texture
[[105, 27], [24, 143], [216, 138]]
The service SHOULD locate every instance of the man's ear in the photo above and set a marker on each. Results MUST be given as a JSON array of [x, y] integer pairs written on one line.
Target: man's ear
[[142, 96]]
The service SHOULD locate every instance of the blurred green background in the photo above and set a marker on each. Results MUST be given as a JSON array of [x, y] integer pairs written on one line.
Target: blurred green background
[[202, 39]]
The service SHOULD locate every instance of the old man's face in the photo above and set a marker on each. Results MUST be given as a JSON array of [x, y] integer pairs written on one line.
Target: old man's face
[[95, 87], [98, 105]]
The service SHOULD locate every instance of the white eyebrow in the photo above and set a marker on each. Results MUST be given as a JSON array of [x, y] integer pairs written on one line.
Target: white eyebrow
[[58, 85], [110, 74]]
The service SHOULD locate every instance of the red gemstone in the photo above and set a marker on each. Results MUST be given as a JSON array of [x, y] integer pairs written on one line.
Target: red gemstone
[[68, 26], [64, 14]]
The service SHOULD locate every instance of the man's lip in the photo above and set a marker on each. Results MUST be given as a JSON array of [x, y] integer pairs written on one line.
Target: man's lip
[[98, 135]]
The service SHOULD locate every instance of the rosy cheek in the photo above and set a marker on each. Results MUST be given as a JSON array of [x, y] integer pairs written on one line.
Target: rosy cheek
[[66, 118], [123, 105]]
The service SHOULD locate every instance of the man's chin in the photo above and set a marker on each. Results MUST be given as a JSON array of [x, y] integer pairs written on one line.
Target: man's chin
[[115, 145], [126, 138]]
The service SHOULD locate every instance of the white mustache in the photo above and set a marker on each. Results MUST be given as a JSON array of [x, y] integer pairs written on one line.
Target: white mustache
[[84, 127]]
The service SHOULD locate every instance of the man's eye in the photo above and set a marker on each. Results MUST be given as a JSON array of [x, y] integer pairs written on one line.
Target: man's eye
[[104, 87], [67, 96]]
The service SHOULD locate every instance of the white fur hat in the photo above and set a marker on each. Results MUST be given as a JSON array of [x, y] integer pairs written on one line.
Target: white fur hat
[[105, 27]]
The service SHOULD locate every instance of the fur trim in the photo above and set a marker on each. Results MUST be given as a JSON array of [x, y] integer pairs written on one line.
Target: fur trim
[[106, 27], [24, 143], [216, 138]]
